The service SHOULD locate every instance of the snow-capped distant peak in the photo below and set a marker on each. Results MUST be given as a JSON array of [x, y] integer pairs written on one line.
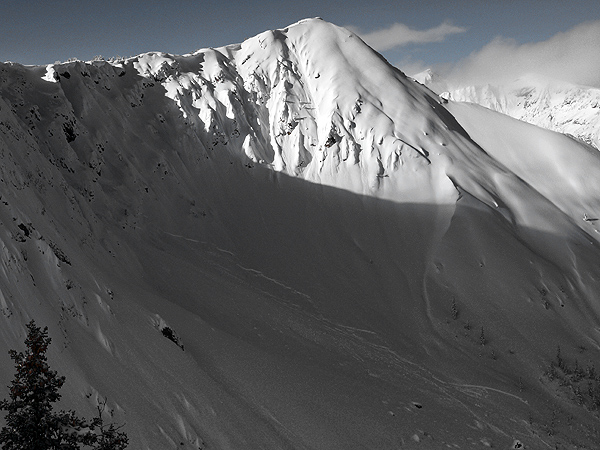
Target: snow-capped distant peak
[[431, 80], [424, 77], [549, 103]]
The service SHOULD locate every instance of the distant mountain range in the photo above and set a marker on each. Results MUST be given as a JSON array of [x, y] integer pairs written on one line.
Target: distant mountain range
[[557, 106]]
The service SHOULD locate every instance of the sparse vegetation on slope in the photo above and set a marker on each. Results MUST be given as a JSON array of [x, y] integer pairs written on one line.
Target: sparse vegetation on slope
[[579, 382], [31, 422]]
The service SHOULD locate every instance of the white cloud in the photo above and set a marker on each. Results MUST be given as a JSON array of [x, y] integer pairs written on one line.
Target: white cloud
[[572, 56], [398, 35]]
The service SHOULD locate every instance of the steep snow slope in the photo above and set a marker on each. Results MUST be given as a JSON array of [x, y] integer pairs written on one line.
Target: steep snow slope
[[303, 216], [558, 167], [556, 106]]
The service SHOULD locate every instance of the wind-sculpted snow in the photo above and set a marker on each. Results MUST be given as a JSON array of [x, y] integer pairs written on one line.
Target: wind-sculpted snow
[[288, 244]]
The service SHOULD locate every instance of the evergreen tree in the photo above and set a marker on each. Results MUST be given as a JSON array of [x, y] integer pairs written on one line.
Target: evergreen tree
[[31, 424]]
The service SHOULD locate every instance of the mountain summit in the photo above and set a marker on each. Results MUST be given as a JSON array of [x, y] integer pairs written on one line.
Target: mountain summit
[[288, 243]]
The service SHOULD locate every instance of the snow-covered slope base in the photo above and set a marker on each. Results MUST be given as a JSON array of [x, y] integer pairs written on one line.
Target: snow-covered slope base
[[341, 265]]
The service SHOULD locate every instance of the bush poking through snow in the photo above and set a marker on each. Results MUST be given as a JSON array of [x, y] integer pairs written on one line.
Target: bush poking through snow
[[482, 339], [31, 423], [170, 334], [454, 310]]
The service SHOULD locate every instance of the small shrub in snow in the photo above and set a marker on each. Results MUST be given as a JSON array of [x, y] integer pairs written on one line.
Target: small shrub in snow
[[454, 310], [170, 334]]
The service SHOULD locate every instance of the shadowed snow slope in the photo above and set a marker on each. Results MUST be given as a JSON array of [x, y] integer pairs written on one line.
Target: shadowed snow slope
[[303, 217]]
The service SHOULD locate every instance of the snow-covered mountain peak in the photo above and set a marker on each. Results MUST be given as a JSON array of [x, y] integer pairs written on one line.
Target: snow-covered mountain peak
[[306, 100]]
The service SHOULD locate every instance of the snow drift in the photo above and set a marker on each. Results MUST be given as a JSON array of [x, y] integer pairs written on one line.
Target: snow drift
[[303, 218]]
